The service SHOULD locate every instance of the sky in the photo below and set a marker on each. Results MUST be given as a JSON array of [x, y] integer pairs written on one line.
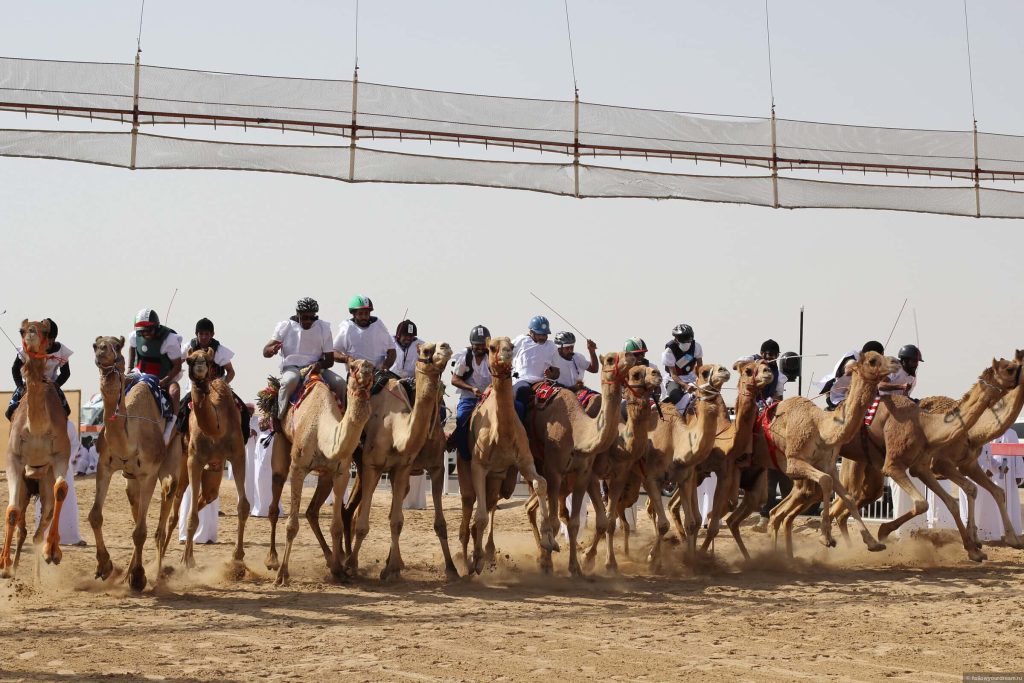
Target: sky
[[89, 246]]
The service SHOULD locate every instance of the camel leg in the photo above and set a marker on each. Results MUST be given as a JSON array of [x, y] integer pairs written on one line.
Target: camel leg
[[369, 478], [950, 471], [52, 549], [753, 498], [656, 507], [136, 570], [163, 532], [348, 513], [493, 496], [687, 491], [852, 510], [552, 506], [579, 492], [104, 567], [437, 476], [798, 469], [606, 529], [22, 535], [296, 475], [399, 489], [468, 497], [238, 470], [675, 510], [899, 475], [181, 483], [46, 504], [195, 480], [928, 477], [524, 461], [280, 464], [13, 516], [974, 471], [479, 517], [324, 486], [339, 482], [779, 519], [723, 490], [865, 484]]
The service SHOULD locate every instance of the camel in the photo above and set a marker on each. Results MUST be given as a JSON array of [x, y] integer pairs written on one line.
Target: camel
[[319, 438], [132, 442], [395, 434], [805, 442], [613, 467], [213, 438], [38, 454], [498, 443], [565, 442], [927, 442]]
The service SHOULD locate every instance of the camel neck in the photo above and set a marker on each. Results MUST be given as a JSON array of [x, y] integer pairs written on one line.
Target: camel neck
[[955, 423], [638, 427], [593, 435], [746, 414], [704, 425], [849, 416], [112, 390], [999, 417], [422, 414], [204, 408], [344, 430], [36, 389]]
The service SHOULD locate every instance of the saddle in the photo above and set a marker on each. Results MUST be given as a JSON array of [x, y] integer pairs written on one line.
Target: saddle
[[152, 382], [585, 396], [543, 392]]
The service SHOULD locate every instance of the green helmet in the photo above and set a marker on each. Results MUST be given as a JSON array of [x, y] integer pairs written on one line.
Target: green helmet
[[359, 301], [634, 345]]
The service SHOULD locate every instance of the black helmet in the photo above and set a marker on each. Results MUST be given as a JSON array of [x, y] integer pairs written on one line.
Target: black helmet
[[564, 339], [204, 325], [406, 327], [307, 305], [875, 346], [683, 333], [770, 346], [53, 328], [910, 352], [479, 335]]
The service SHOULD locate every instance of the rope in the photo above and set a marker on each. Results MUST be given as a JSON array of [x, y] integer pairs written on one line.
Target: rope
[[138, 41], [572, 59], [356, 58], [768, 32], [970, 68]]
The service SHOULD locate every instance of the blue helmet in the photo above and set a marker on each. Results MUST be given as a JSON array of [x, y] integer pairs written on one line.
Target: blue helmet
[[540, 325]]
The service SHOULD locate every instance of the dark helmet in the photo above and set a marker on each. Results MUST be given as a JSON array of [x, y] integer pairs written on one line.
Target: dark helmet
[[204, 325], [307, 305], [147, 317], [682, 333], [564, 339], [406, 327], [910, 352], [770, 346], [539, 325], [479, 335], [873, 346], [53, 328]]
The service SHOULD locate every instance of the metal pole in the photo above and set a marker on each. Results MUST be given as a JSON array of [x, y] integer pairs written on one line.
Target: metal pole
[[977, 175], [576, 146], [775, 171], [800, 385], [352, 135], [135, 111]]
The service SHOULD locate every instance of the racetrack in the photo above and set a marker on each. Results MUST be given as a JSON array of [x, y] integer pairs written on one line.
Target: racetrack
[[918, 611]]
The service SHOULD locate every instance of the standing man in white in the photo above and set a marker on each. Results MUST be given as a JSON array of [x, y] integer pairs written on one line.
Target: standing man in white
[[1005, 471], [68, 523]]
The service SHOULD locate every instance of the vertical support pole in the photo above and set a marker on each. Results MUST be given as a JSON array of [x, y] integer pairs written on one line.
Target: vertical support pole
[[135, 112], [775, 176], [576, 146], [352, 133], [800, 385], [977, 175]]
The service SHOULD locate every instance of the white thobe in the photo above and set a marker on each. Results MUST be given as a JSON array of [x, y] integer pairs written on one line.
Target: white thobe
[[986, 512], [706, 496], [67, 525], [416, 498], [263, 475], [563, 529], [208, 520], [1006, 472]]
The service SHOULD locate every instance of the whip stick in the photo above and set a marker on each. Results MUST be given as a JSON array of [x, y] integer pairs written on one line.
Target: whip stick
[[898, 316], [4, 312], [167, 315], [559, 315]]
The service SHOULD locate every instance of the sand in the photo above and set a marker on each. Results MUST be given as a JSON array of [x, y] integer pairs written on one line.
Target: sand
[[918, 611]]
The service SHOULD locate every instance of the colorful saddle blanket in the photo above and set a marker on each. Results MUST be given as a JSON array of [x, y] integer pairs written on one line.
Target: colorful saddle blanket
[[763, 424], [152, 382], [869, 416]]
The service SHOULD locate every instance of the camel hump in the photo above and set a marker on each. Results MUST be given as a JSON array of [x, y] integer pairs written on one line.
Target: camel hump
[[937, 404]]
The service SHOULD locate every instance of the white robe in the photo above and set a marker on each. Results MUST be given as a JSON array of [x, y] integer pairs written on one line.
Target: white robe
[[416, 499], [1006, 472], [706, 496], [563, 529], [208, 520], [67, 525], [939, 516], [262, 475]]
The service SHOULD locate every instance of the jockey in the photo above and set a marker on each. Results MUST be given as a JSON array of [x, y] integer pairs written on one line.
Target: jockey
[[57, 370], [364, 337], [837, 384], [302, 340], [770, 354], [571, 365], [220, 368], [534, 359], [904, 380], [154, 349], [681, 359], [471, 375], [407, 346], [637, 347]]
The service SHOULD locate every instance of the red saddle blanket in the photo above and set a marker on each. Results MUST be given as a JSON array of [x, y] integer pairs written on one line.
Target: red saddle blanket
[[763, 424]]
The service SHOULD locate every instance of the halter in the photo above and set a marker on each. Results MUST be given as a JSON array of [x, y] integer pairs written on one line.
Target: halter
[[619, 377], [43, 356], [501, 374]]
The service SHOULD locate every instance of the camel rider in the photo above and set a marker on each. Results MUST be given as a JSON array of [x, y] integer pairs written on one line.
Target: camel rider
[[637, 347], [837, 384], [770, 354], [471, 375], [57, 370], [534, 359], [571, 365], [681, 359], [407, 346], [302, 340], [364, 337], [155, 349], [904, 380], [220, 368]]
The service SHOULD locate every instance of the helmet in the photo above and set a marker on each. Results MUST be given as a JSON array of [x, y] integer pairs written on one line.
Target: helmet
[[770, 346], [147, 317], [358, 302], [540, 325], [307, 305], [479, 335], [564, 339], [204, 325], [406, 327], [683, 333], [910, 352], [875, 346], [635, 345]]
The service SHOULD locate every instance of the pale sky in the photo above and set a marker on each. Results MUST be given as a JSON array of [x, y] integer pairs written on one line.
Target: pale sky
[[89, 245]]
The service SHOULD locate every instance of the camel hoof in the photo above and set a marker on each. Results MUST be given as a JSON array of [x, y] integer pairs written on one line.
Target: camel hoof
[[282, 579], [1013, 543], [977, 556], [54, 555], [6, 573], [589, 562], [611, 569], [272, 563], [575, 571], [137, 579], [451, 573], [390, 574], [104, 570], [549, 543], [339, 574]]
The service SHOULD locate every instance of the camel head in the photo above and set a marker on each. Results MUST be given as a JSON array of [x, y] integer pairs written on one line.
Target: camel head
[[107, 352], [642, 380], [1003, 374], [874, 367], [360, 378], [433, 358], [710, 379], [35, 335], [200, 364], [615, 367], [754, 375], [499, 356]]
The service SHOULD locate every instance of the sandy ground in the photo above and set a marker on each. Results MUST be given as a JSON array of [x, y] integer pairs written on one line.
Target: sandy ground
[[918, 611]]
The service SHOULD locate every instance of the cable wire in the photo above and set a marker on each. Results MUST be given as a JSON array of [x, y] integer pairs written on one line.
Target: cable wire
[[357, 37], [138, 41], [970, 67], [768, 33], [572, 59]]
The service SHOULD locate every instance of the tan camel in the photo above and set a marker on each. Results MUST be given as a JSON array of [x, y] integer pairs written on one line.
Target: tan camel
[[498, 443], [213, 438], [565, 442], [903, 440], [132, 442], [319, 438], [38, 453], [395, 434], [805, 442], [613, 467]]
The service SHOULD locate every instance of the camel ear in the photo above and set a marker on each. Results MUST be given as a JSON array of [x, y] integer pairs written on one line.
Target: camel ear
[[1019, 355], [120, 343], [736, 366], [209, 355]]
